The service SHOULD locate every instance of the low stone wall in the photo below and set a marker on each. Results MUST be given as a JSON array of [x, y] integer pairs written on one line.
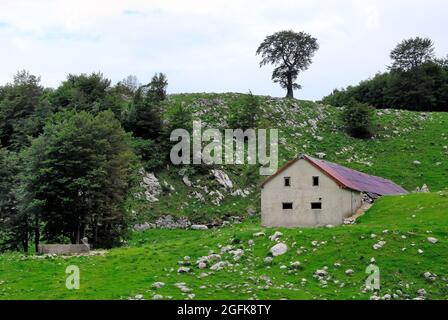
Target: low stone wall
[[63, 249]]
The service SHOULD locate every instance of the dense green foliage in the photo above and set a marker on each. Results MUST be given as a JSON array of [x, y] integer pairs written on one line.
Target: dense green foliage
[[358, 120], [74, 178], [291, 53], [424, 88], [77, 174], [403, 222], [412, 53], [416, 81], [24, 107], [11, 227]]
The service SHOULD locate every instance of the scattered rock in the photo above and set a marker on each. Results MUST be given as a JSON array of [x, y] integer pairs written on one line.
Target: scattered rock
[[144, 226], [237, 254], [222, 178], [218, 266], [157, 297], [183, 270], [421, 293], [349, 221], [268, 260], [276, 236], [187, 181], [349, 272], [158, 285], [199, 227], [170, 222], [433, 240], [320, 273], [259, 234], [379, 245], [430, 276], [251, 212], [279, 249], [151, 186]]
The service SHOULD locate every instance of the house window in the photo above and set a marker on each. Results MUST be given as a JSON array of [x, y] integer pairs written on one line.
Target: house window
[[315, 181], [316, 205], [287, 205], [287, 181]]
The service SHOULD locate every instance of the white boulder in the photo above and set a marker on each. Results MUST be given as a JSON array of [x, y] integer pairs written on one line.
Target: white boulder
[[279, 249]]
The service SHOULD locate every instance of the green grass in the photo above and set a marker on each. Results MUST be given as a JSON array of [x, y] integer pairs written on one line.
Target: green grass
[[153, 255], [402, 138]]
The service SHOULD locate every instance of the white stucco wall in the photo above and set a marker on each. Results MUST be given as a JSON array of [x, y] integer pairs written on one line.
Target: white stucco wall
[[337, 203]]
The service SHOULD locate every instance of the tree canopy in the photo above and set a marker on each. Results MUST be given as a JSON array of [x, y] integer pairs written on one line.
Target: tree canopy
[[290, 52], [412, 53], [77, 174], [416, 81]]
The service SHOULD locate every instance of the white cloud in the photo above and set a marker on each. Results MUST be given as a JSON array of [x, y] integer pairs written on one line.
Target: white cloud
[[208, 45]]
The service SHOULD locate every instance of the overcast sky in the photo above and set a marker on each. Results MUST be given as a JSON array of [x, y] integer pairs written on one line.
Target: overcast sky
[[209, 46]]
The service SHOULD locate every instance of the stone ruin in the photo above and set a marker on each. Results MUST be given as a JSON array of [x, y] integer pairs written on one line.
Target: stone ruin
[[65, 249]]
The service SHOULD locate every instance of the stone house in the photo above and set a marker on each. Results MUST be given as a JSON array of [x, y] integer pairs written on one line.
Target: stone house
[[309, 192]]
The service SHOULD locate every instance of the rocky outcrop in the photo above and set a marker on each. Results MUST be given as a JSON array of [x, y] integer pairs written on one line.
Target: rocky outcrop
[[222, 178], [152, 187], [187, 181]]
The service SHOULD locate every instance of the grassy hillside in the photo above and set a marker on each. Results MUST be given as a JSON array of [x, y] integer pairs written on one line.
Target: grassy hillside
[[402, 138], [403, 222]]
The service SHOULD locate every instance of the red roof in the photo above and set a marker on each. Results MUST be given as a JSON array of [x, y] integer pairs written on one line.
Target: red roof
[[349, 178]]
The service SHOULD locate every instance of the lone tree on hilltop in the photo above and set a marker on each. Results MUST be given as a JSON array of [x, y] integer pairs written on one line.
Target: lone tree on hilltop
[[290, 52]]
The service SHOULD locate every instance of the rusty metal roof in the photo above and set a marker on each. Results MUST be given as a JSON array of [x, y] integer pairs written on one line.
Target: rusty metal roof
[[349, 178]]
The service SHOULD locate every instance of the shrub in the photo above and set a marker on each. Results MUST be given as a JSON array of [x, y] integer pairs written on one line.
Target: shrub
[[243, 113], [358, 120]]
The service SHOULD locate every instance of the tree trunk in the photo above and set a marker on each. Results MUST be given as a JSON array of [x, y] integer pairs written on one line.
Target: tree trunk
[[25, 237], [36, 233], [78, 234], [290, 93], [25, 245]]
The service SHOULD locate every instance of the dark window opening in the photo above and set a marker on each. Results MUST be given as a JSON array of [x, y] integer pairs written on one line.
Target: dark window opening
[[287, 182], [287, 205], [316, 205], [315, 181]]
